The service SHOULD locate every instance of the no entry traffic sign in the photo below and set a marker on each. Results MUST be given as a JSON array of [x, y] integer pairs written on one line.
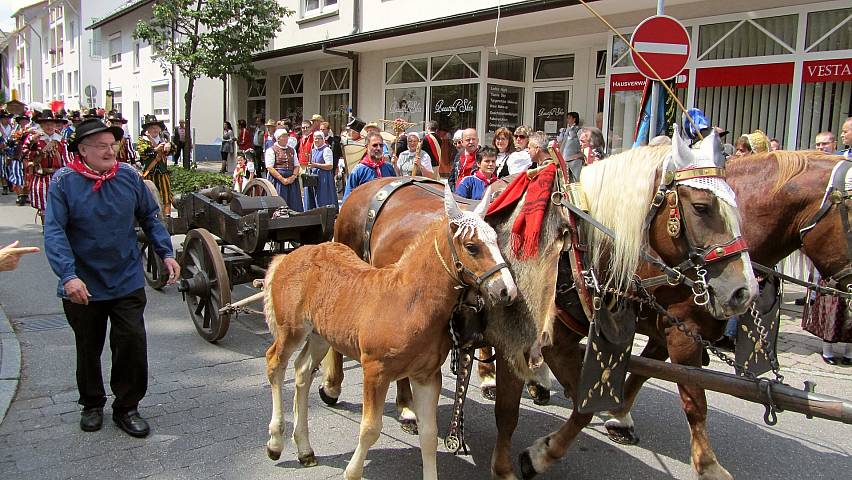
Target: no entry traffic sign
[[664, 43]]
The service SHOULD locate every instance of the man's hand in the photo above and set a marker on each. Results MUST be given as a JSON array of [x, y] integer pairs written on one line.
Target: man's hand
[[76, 291], [11, 254], [174, 270]]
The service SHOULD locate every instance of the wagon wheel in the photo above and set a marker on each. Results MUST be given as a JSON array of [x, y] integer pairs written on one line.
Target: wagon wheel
[[205, 284], [155, 271], [260, 187]]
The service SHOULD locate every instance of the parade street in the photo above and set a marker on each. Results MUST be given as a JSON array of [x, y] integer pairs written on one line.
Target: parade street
[[209, 406]]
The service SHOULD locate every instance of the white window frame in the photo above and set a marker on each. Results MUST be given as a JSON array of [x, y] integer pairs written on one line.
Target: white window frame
[[72, 38], [113, 62], [323, 10]]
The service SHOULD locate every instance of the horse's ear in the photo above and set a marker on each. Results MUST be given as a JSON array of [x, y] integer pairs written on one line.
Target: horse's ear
[[454, 213], [681, 154], [482, 208], [711, 147]]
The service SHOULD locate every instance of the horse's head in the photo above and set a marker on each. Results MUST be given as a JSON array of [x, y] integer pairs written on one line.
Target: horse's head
[[476, 255], [697, 228]]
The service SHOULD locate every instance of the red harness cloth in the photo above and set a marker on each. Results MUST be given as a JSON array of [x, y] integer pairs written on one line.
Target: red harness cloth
[[527, 227], [376, 166], [80, 167]]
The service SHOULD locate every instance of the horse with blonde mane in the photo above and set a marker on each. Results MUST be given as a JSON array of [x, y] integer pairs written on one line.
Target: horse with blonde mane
[[779, 194], [403, 334]]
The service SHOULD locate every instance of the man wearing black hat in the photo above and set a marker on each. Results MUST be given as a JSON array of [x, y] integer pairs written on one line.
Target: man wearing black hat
[[90, 242], [44, 152], [15, 170], [153, 152], [5, 138], [126, 152]]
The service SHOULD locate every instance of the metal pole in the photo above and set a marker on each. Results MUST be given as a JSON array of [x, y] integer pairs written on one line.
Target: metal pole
[[655, 90]]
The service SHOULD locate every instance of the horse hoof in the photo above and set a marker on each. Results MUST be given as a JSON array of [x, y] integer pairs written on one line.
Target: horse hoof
[[539, 394], [408, 425], [272, 454], [489, 393], [527, 469], [309, 460], [622, 435], [327, 399]]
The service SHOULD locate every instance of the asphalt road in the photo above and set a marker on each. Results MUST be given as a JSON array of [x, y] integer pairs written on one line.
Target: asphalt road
[[209, 406]]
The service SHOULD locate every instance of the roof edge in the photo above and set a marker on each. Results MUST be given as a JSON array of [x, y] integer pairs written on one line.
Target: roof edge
[[118, 14]]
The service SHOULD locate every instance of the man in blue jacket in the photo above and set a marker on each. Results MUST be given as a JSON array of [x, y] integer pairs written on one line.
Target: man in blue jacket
[[90, 242]]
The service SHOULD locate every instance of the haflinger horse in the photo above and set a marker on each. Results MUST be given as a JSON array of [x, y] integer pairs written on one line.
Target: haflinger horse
[[707, 220], [394, 320], [620, 191], [780, 195]]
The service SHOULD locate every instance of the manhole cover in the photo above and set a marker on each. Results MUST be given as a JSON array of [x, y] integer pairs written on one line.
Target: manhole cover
[[37, 324]]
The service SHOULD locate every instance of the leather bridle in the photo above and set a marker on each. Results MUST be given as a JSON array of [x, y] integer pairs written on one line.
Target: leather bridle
[[461, 269]]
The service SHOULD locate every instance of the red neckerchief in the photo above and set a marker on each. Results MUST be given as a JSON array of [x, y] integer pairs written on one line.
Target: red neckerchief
[[488, 181], [376, 166], [527, 227], [80, 167], [466, 163]]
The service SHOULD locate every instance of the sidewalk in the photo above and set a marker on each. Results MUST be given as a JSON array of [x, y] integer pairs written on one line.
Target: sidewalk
[[10, 364]]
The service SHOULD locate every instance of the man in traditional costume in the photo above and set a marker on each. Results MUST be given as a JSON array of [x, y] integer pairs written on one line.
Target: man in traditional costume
[[153, 153], [90, 241], [44, 152], [74, 119], [126, 153], [282, 169], [371, 167], [5, 139], [15, 170], [432, 144]]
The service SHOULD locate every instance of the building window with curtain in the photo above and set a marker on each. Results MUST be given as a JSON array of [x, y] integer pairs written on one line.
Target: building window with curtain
[[291, 91], [256, 103], [335, 90]]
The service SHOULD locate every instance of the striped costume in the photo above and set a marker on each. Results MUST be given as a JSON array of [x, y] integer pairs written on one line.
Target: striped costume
[[154, 168], [14, 162], [42, 156], [5, 138], [126, 153]]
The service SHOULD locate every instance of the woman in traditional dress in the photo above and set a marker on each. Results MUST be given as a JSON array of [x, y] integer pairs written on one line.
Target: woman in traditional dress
[[412, 156], [282, 169], [474, 186], [502, 143], [153, 153], [321, 164]]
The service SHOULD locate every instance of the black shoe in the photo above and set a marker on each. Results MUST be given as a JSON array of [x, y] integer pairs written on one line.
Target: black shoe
[[846, 362], [829, 360], [91, 419], [133, 424]]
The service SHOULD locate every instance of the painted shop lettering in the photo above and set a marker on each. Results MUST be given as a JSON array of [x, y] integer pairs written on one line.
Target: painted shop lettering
[[836, 69], [460, 105], [555, 111]]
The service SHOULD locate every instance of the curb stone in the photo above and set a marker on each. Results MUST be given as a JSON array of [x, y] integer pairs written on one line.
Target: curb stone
[[10, 364]]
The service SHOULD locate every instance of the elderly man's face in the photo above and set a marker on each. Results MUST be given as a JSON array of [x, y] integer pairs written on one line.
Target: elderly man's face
[[470, 140], [826, 143], [846, 133], [98, 151], [374, 148], [413, 141], [153, 131]]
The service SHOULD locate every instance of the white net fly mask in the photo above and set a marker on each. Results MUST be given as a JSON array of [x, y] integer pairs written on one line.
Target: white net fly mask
[[470, 224], [716, 185]]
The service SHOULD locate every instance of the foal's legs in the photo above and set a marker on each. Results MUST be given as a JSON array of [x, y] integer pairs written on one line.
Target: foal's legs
[[425, 402], [375, 391], [684, 351], [332, 367], [487, 375], [277, 356], [620, 428], [407, 417], [564, 362], [305, 365]]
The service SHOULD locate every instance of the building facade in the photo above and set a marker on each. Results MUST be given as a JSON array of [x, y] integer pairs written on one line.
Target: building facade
[[779, 65]]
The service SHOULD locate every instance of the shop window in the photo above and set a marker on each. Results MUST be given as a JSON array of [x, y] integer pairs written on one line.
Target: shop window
[[456, 67], [334, 96], [256, 108], [257, 87], [408, 104], [507, 67], [829, 30], [454, 106], [406, 71], [291, 84], [560, 67], [291, 88], [600, 69], [826, 98], [621, 52], [291, 108], [748, 38], [504, 108], [745, 108]]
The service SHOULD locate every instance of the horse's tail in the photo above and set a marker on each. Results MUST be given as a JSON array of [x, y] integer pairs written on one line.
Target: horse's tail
[[268, 302]]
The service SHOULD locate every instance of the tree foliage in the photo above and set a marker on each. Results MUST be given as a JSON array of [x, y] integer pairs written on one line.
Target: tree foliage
[[212, 38]]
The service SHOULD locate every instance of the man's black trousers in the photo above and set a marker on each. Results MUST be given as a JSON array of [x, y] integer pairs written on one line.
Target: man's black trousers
[[129, 376]]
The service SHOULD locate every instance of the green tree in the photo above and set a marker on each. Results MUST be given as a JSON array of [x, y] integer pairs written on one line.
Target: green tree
[[211, 38]]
